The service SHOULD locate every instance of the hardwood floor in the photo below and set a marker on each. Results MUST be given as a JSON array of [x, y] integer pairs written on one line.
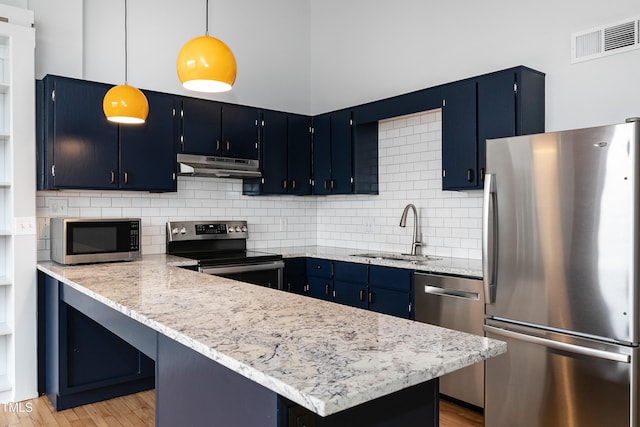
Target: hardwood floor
[[137, 410], [452, 415]]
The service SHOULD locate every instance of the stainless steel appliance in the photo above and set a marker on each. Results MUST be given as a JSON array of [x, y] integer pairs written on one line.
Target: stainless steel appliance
[[455, 303], [220, 247], [561, 239], [89, 240], [220, 167]]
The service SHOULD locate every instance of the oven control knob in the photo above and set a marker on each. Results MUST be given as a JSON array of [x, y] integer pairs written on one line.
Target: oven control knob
[[237, 228], [231, 229], [244, 228], [175, 230], [183, 230]]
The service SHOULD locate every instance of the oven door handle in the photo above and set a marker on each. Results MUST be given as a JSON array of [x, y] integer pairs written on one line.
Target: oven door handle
[[242, 268]]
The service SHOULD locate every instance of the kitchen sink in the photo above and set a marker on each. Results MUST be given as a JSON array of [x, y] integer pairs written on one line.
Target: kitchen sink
[[414, 259]]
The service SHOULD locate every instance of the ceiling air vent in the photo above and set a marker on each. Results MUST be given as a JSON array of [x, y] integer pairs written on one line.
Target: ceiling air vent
[[606, 40]]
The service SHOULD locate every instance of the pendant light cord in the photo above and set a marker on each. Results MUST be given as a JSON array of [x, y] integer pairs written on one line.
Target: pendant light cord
[[206, 29], [126, 53]]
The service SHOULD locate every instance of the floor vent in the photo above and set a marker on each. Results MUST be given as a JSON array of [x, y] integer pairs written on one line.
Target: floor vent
[[605, 40]]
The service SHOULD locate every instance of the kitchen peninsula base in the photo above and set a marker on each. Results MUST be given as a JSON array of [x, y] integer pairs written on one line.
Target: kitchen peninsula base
[[192, 389]]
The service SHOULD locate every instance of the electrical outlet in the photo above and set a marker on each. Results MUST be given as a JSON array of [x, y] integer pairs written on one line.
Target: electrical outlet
[[58, 207], [43, 229]]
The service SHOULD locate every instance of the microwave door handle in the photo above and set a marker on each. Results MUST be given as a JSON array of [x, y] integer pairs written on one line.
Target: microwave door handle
[[489, 238], [558, 345]]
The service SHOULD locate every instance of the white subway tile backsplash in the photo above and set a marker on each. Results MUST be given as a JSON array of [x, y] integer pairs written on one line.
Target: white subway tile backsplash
[[409, 172]]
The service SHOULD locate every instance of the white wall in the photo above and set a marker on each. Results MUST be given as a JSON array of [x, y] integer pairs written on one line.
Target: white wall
[[372, 49], [270, 40]]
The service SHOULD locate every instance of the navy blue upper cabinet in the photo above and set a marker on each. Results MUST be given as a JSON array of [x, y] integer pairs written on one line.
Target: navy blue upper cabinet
[[505, 103], [322, 154], [345, 155], [299, 154], [459, 157], [285, 157], [240, 131], [214, 129], [79, 148], [147, 151], [201, 126]]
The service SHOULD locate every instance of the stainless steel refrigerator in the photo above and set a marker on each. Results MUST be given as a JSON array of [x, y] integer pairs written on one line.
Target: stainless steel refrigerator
[[561, 240]]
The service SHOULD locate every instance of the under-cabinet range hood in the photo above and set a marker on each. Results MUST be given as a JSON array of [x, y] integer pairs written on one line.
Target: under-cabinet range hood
[[220, 167]]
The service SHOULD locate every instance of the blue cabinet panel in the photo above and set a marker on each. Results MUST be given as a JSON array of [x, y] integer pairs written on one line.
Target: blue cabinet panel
[[459, 143], [351, 272], [341, 153], [240, 131], [322, 154], [391, 302], [274, 152], [319, 268], [391, 278], [299, 154], [320, 287], [201, 128], [350, 293], [83, 141], [147, 151]]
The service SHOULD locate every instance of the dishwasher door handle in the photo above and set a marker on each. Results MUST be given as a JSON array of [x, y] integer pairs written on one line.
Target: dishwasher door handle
[[447, 292]]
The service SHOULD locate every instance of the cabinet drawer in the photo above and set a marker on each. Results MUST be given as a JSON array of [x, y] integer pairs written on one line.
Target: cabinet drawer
[[319, 267], [351, 272], [391, 278]]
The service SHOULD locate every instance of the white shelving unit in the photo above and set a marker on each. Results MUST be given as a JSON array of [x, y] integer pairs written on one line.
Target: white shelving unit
[[18, 365]]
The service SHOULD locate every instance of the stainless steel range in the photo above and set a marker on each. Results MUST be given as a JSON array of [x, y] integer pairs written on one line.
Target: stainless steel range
[[220, 247]]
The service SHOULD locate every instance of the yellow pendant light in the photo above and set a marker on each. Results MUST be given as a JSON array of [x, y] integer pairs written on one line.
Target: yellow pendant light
[[123, 103], [206, 64]]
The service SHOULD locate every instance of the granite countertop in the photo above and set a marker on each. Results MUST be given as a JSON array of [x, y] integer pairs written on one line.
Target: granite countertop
[[440, 265], [324, 356]]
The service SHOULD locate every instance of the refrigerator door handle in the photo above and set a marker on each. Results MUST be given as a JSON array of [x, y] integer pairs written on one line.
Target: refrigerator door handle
[[489, 238], [446, 292], [557, 345]]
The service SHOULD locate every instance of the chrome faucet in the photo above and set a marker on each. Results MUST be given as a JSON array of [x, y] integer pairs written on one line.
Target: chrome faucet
[[403, 223]]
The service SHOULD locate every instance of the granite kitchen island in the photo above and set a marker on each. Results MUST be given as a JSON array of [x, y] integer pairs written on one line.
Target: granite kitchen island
[[230, 353]]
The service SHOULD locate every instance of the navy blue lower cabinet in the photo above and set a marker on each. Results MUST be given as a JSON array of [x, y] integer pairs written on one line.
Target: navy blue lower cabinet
[[83, 361], [352, 294], [295, 275], [320, 287], [391, 291]]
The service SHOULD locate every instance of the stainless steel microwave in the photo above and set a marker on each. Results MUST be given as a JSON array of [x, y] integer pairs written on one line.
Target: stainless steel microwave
[[85, 240]]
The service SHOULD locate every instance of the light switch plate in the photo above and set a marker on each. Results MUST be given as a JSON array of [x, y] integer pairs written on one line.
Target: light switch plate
[[24, 225]]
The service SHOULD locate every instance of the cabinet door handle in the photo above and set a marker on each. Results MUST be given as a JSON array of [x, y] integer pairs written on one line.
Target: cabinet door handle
[[126, 177], [481, 174], [317, 267], [293, 184], [362, 295], [469, 175], [326, 289], [113, 177], [217, 145], [325, 183], [284, 184], [370, 297], [288, 287], [228, 145]]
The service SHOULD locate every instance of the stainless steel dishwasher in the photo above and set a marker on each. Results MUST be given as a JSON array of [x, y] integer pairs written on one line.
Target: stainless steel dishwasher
[[455, 303]]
